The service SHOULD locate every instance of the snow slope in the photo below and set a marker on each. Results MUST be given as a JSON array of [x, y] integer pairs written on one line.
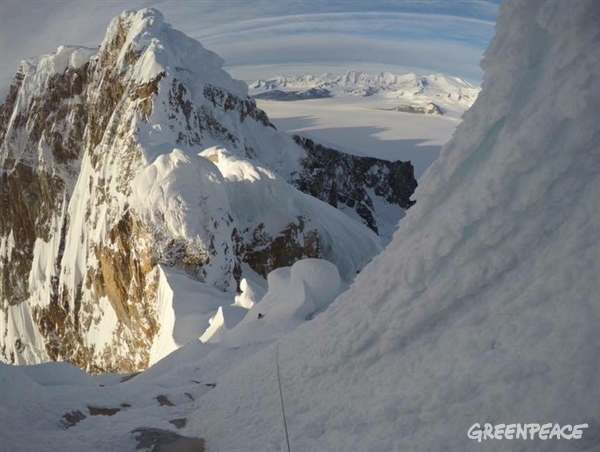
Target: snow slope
[[484, 308], [494, 316]]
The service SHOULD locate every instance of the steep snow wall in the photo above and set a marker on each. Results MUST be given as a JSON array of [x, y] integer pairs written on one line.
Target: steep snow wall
[[484, 308]]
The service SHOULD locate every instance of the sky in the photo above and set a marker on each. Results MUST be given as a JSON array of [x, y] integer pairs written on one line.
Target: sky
[[262, 38]]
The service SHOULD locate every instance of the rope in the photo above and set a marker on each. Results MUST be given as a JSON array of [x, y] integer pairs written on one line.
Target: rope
[[287, 436]]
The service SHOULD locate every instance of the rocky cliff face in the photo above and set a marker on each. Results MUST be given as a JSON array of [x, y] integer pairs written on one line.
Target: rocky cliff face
[[141, 154], [354, 182]]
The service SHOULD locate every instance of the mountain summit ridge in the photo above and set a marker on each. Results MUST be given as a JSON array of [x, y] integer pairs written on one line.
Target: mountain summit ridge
[[162, 47]]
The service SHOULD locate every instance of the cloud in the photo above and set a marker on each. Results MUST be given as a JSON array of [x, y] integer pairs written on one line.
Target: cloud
[[354, 52], [431, 36], [425, 43], [366, 21]]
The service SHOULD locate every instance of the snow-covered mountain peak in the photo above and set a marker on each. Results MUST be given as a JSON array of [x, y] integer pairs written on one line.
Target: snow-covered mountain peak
[[132, 24], [144, 162], [354, 77], [144, 38]]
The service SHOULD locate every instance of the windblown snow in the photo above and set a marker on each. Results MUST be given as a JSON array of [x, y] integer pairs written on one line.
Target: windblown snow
[[483, 308]]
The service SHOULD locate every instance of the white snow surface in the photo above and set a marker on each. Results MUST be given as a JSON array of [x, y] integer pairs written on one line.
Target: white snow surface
[[185, 310], [295, 294], [484, 308]]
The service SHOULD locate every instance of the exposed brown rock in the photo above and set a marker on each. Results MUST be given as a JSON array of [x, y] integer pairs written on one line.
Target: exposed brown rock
[[8, 106], [143, 94], [99, 411], [163, 400], [245, 107], [129, 377], [180, 103], [266, 253], [29, 201], [124, 270], [179, 423], [159, 440], [71, 419]]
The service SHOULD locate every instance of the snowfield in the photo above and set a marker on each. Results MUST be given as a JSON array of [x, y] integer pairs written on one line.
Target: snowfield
[[483, 308]]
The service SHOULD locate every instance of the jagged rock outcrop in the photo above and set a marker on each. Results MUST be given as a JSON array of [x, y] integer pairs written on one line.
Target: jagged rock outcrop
[[288, 96], [344, 179], [429, 108], [139, 155], [264, 253]]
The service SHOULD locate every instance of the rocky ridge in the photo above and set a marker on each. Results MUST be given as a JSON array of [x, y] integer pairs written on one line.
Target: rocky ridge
[[276, 94]]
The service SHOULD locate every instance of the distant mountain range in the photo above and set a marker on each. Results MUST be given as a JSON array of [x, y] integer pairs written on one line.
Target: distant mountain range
[[414, 93], [277, 94]]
